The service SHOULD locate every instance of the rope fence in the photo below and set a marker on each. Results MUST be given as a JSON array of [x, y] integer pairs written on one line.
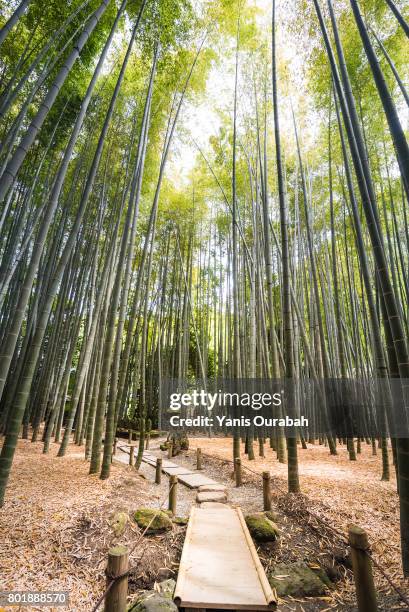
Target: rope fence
[[127, 572], [357, 542], [335, 531]]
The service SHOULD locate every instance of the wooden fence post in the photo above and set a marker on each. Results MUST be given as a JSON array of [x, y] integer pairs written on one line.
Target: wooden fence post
[[266, 491], [198, 458], [158, 473], [129, 436], [173, 486], [237, 471], [362, 567], [115, 600], [170, 449], [131, 455]]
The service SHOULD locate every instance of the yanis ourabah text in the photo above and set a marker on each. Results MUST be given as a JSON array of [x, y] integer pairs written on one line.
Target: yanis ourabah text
[[257, 421]]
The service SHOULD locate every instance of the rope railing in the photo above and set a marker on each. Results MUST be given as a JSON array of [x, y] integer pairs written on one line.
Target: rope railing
[[366, 550], [336, 532], [388, 578], [114, 579]]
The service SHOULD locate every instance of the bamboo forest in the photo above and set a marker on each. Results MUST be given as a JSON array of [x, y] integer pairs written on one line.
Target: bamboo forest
[[201, 200]]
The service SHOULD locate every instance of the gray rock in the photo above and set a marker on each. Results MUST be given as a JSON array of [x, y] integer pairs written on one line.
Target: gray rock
[[151, 601], [166, 588], [212, 487], [298, 580]]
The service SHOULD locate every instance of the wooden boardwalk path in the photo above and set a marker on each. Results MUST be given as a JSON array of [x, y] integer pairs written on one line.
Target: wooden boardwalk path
[[191, 479], [220, 568]]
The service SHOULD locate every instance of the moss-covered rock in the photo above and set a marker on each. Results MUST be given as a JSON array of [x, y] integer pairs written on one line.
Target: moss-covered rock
[[161, 521], [159, 600], [261, 528], [322, 574], [298, 580], [151, 601], [181, 520], [118, 523], [180, 442]]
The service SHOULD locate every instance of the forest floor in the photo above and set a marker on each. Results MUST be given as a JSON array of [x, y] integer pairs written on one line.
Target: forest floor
[[335, 492], [55, 529]]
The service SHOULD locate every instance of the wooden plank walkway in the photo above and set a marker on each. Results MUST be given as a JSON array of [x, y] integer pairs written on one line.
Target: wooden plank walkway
[[220, 568], [190, 479]]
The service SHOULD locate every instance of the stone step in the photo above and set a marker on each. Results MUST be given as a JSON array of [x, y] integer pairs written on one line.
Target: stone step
[[212, 487], [212, 496]]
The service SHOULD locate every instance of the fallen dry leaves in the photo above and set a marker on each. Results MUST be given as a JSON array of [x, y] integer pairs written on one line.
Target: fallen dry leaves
[[340, 492], [54, 525]]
